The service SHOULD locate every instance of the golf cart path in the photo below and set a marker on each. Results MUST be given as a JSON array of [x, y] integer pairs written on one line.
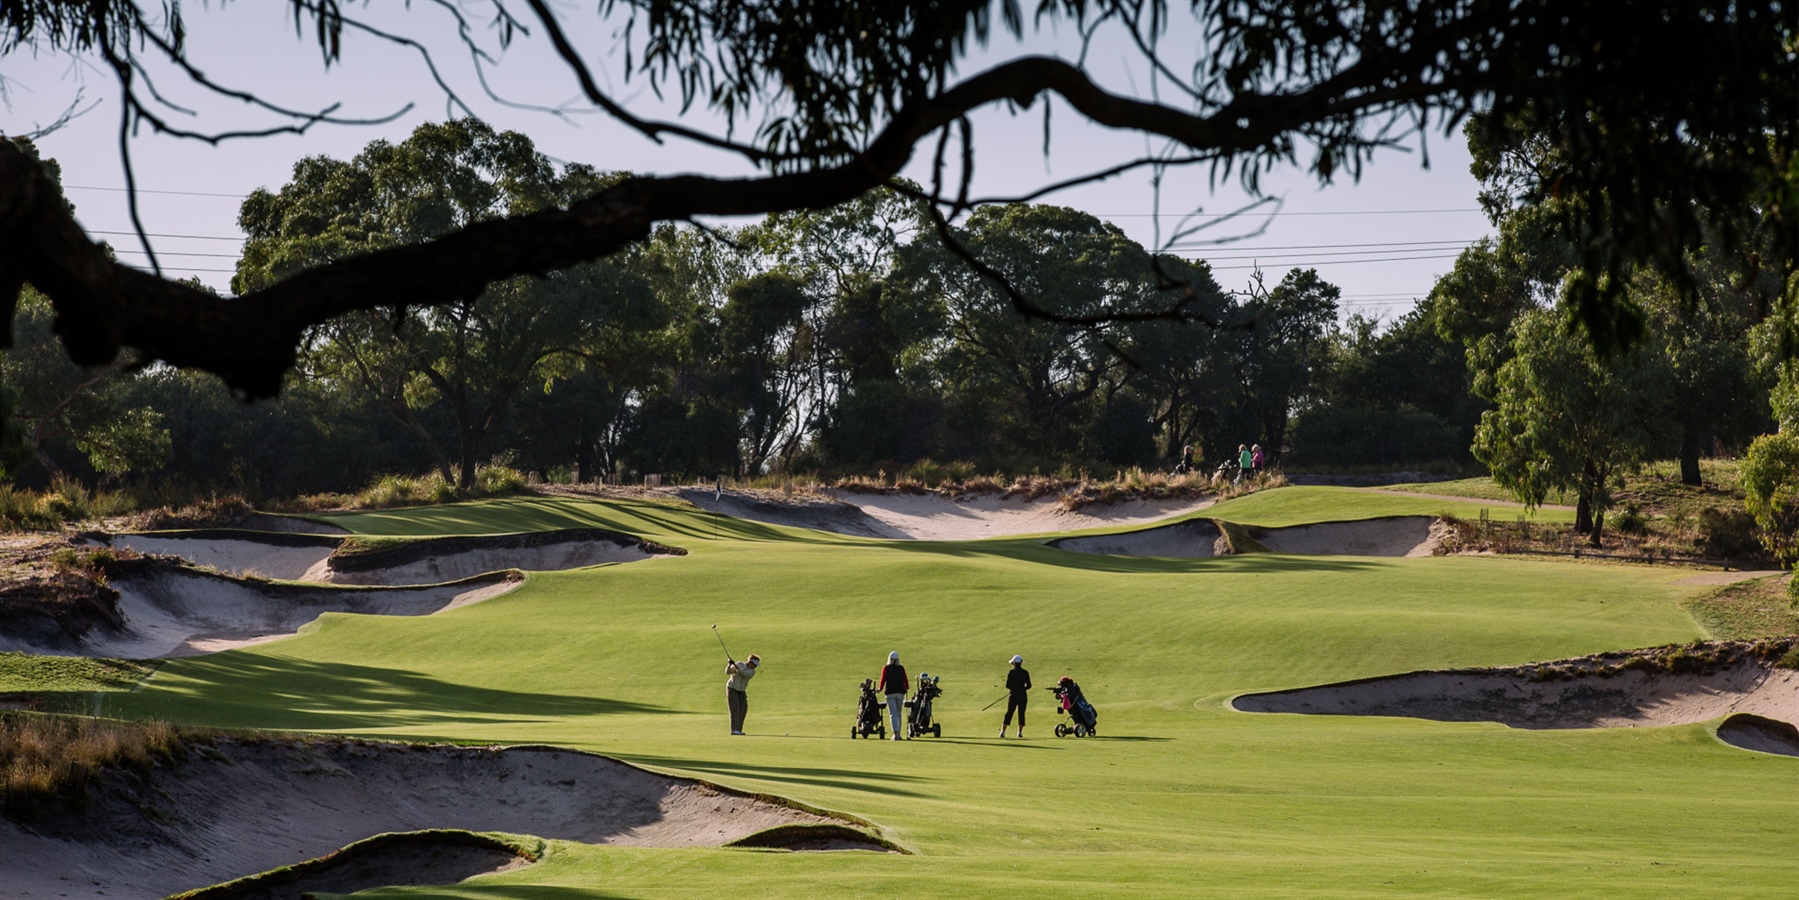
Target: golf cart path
[[237, 807]]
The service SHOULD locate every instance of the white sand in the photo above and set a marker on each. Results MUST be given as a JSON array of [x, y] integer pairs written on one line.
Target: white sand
[[1627, 699], [1193, 539], [1763, 735], [933, 517], [182, 612], [273, 803], [454, 565], [284, 559], [1388, 536]]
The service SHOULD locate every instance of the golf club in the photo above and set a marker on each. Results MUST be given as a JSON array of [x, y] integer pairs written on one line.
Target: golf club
[[995, 703], [721, 644]]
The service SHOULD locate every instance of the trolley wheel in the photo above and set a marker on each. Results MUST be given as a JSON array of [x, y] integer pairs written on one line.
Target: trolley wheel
[[937, 731], [1061, 730], [1080, 730]]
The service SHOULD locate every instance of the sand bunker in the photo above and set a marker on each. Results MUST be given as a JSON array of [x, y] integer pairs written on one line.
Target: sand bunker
[[245, 806], [1662, 686], [166, 609], [1753, 732], [799, 511], [408, 859], [1183, 540], [1388, 536], [1392, 536], [933, 517], [329, 560]]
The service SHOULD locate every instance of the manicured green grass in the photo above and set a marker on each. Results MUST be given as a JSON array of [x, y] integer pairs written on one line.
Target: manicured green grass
[[1281, 507], [1480, 488], [1180, 796]]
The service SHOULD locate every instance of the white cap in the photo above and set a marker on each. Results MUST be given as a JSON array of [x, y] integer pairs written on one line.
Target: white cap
[[893, 657], [1018, 660]]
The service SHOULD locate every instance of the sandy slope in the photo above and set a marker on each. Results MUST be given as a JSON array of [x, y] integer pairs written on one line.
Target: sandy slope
[[320, 559], [170, 610], [1192, 539], [1618, 690], [243, 807], [1391, 536], [1387, 536]]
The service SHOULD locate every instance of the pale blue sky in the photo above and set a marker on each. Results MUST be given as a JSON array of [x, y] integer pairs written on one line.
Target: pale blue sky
[[1383, 240]]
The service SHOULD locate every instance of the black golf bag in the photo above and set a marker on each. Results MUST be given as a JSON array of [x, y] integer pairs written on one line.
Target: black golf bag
[[868, 713], [918, 709]]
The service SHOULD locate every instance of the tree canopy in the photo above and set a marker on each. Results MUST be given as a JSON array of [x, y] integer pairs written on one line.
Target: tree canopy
[[1651, 123]]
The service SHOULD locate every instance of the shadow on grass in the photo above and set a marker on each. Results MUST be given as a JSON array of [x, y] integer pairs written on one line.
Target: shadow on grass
[[266, 692], [842, 779], [1036, 551]]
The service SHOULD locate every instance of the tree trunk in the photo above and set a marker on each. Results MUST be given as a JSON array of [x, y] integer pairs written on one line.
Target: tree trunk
[[1583, 514], [1689, 457], [1598, 528]]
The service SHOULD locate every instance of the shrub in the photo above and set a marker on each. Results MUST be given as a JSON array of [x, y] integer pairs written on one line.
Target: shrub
[[1770, 476], [1631, 521], [1728, 534], [499, 481]]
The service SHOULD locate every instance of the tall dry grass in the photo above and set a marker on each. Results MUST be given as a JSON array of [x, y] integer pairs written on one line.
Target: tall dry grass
[[67, 500], [50, 760]]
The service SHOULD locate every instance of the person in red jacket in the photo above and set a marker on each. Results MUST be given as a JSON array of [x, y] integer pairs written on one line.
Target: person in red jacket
[[894, 685]]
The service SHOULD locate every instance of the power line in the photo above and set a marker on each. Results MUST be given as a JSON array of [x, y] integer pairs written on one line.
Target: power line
[[120, 190], [169, 253], [1340, 253], [191, 237], [1256, 215], [1235, 249], [1338, 262]]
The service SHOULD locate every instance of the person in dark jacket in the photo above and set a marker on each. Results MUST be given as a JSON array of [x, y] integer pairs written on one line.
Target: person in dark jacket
[[894, 685], [1018, 690]]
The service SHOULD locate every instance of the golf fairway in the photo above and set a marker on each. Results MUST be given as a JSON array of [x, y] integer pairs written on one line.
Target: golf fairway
[[1180, 795]]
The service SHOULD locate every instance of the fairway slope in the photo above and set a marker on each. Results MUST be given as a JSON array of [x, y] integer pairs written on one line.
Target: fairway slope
[[240, 807], [166, 609], [334, 560], [1660, 686]]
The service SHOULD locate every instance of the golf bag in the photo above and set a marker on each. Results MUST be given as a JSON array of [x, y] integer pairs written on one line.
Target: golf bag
[[868, 713], [1075, 706], [918, 709]]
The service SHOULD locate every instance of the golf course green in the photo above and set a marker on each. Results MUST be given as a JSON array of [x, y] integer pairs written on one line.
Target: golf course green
[[1180, 795]]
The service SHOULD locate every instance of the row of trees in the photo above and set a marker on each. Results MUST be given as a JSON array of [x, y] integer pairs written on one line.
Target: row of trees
[[854, 338]]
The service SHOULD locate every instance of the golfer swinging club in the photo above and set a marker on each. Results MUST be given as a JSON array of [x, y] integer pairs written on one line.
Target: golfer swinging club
[[739, 674], [1018, 693]]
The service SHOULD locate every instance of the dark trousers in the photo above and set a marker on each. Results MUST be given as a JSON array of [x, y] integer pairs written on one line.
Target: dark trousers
[[740, 707], [1015, 702]]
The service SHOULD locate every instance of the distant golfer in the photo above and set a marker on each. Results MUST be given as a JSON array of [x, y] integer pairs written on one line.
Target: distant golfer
[[1018, 690], [894, 685], [740, 674], [1246, 462]]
